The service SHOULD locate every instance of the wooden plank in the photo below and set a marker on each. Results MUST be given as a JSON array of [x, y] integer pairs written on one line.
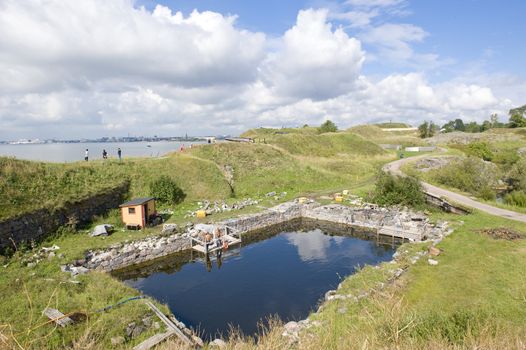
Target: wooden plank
[[169, 323], [153, 341], [58, 317]]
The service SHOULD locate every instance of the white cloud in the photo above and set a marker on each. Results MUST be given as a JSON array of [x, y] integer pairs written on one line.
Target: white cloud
[[112, 68], [373, 3], [314, 61], [61, 43]]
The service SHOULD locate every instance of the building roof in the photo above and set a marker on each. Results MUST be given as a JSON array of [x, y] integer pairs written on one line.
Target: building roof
[[136, 201]]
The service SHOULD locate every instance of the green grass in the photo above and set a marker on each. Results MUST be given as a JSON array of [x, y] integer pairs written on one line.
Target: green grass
[[393, 125], [473, 298]]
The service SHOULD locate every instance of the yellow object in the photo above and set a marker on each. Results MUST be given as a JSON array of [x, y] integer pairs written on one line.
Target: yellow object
[[345, 192], [200, 214], [302, 200], [338, 199]]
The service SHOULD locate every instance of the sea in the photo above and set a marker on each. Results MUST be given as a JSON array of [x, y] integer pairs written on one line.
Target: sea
[[74, 152]]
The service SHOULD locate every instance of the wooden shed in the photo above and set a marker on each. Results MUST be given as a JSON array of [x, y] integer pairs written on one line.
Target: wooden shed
[[137, 213]]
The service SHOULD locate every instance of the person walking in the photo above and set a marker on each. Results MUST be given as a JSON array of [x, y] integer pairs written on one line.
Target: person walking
[[104, 154], [119, 153], [86, 155]]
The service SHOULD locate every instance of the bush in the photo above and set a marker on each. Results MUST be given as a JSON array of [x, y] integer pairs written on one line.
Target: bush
[[480, 150], [328, 126], [487, 193], [393, 190], [516, 198], [470, 175], [165, 190], [517, 175]]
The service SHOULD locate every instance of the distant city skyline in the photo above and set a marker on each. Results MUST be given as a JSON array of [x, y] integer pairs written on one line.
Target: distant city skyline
[[93, 68]]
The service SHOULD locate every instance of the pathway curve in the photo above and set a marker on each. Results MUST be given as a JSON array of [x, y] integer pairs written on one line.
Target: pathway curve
[[394, 168]]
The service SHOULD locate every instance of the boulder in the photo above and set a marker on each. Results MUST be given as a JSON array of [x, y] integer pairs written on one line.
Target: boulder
[[169, 229], [117, 340], [218, 343], [101, 230], [432, 262]]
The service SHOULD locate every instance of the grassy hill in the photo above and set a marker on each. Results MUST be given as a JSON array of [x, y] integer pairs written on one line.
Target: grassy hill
[[296, 162]]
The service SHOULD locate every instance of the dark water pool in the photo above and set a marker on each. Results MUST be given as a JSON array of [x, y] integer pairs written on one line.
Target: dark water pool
[[285, 275]]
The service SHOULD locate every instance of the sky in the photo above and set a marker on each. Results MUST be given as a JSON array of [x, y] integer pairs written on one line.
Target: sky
[[94, 68]]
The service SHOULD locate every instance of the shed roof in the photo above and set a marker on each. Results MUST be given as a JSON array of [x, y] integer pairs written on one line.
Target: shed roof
[[136, 201]]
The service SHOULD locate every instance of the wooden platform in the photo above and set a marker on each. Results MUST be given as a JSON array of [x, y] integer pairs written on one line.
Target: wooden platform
[[232, 238], [57, 316]]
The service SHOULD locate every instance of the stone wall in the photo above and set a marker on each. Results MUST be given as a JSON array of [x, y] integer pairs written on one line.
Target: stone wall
[[415, 227], [36, 225], [135, 253]]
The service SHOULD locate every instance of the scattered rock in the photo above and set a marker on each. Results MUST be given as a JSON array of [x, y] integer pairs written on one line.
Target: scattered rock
[[432, 262], [219, 343], [133, 330], [117, 340], [129, 329], [292, 327], [169, 229], [342, 310], [147, 321]]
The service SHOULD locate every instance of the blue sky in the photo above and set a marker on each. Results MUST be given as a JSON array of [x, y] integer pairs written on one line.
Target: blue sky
[[117, 67], [484, 33]]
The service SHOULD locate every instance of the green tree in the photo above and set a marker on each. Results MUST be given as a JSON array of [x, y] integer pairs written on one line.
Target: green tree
[[328, 126], [472, 127], [449, 126], [427, 129], [486, 125], [459, 125], [165, 190], [517, 121]]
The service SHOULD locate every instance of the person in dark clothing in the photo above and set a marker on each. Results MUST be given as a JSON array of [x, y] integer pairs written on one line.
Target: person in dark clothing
[[104, 154], [86, 155], [119, 153]]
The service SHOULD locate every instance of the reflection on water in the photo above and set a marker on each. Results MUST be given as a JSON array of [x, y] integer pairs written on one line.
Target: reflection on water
[[285, 275]]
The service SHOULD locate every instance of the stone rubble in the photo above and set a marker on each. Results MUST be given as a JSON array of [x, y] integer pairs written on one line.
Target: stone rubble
[[220, 207]]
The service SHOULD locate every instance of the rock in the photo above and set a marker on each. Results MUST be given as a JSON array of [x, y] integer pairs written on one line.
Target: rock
[[271, 194], [169, 229], [79, 262], [61, 256], [292, 327], [330, 294], [137, 331], [156, 325], [129, 329], [432, 262], [147, 321], [102, 230], [117, 340], [434, 251], [198, 341], [30, 265], [51, 256], [342, 310], [219, 343]]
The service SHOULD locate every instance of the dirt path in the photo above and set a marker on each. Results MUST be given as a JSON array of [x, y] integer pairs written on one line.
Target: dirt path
[[394, 168]]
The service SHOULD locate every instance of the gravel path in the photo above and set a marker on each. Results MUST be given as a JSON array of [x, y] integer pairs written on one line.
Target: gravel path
[[394, 168]]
